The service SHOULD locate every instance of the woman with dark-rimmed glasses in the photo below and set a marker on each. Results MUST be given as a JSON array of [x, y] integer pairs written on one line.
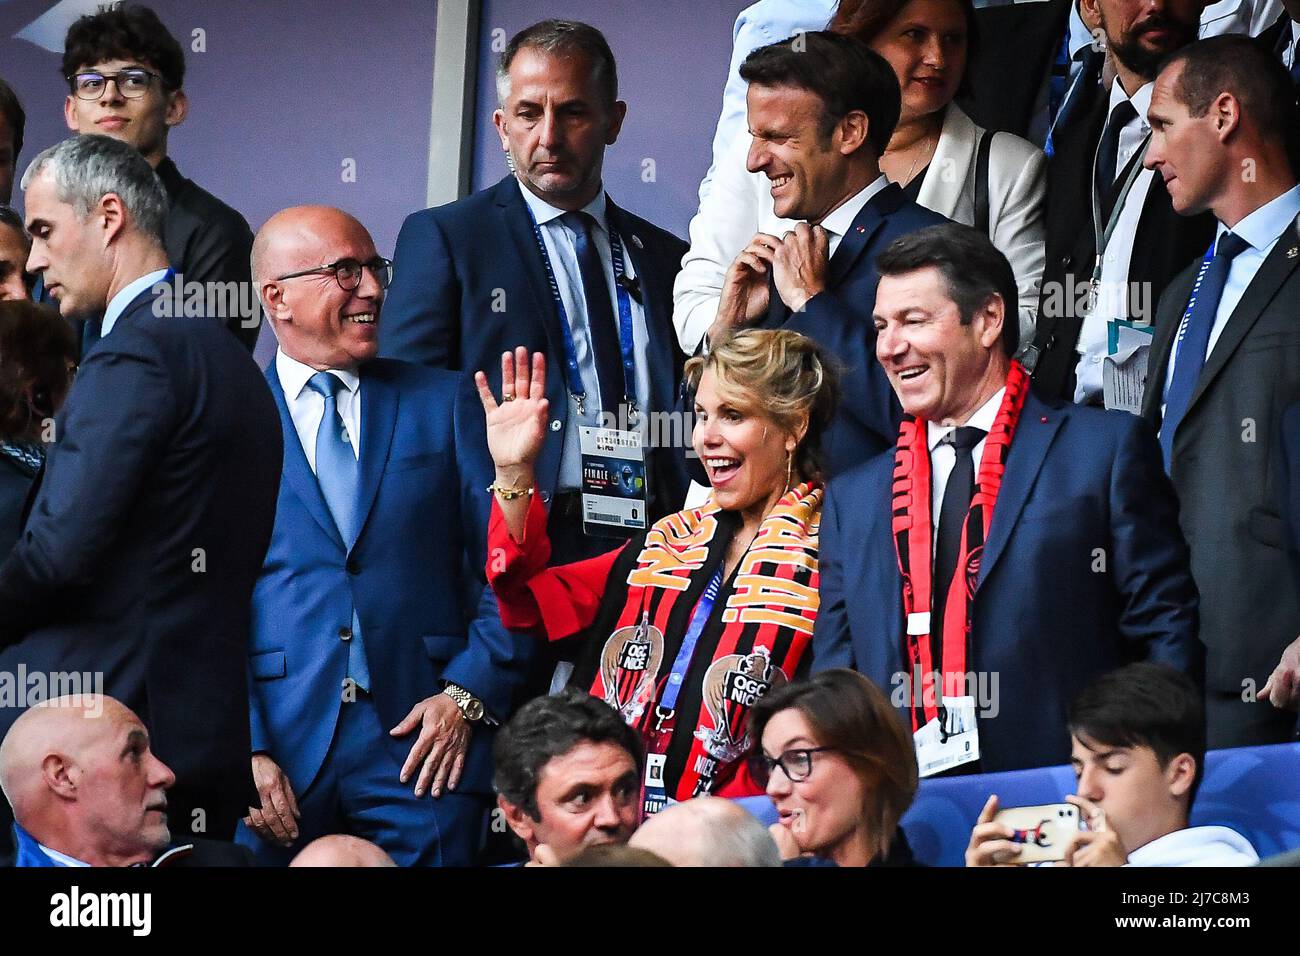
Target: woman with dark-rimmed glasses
[[838, 766]]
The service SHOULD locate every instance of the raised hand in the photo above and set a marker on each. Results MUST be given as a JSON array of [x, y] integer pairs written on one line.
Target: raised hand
[[516, 427]]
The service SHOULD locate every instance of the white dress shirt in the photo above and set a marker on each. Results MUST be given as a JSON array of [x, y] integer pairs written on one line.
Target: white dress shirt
[[1249, 17], [842, 216], [1113, 296], [61, 859], [943, 454], [125, 296], [561, 249], [1288, 55], [1261, 229], [307, 406]]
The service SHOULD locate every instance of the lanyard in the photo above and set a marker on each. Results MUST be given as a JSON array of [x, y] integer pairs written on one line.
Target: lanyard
[[573, 377], [1191, 303], [1102, 238], [699, 617]]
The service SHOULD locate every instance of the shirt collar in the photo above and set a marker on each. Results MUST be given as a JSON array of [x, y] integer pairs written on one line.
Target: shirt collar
[[983, 418], [841, 218], [1080, 36], [125, 296], [294, 375], [1141, 100], [1262, 227], [543, 212]]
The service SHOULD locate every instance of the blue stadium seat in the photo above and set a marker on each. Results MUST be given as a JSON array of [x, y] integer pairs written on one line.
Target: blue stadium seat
[[1253, 790]]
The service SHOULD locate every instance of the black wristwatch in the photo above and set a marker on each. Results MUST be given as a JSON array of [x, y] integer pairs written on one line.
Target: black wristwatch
[[471, 708]]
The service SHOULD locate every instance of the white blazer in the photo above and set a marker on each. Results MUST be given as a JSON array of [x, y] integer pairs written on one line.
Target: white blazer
[[738, 204]]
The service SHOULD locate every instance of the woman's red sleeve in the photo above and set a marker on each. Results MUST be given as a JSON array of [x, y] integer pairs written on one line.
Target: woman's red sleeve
[[557, 602]]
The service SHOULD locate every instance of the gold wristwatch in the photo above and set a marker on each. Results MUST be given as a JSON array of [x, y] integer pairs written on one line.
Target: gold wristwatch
[[471, 707]]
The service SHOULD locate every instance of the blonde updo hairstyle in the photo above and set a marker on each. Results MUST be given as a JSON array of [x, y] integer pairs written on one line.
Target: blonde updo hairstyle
[[778, 374]]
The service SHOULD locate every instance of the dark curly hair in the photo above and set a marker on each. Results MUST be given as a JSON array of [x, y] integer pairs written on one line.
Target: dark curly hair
[[128, 32], [37, 354]]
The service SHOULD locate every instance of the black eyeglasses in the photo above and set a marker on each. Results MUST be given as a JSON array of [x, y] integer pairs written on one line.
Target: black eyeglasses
[[132, 83], [797, 764], [347, 272]]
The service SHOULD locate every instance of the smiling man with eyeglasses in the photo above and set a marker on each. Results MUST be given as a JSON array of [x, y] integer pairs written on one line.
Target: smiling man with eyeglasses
[[125, 75]]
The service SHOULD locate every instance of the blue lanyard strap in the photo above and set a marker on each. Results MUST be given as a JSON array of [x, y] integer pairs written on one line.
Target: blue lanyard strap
[[1191, 302], [699, 617], [573, 376]]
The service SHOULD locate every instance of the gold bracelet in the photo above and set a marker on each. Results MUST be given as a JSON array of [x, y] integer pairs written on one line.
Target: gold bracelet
[[509, 494]]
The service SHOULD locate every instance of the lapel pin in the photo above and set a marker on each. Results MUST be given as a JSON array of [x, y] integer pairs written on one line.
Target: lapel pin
[[636, 241], [1293, 252], [862, 228], [1043, 419]]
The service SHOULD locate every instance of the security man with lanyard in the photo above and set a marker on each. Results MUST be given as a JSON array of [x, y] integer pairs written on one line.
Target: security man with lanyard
[[544, 259]]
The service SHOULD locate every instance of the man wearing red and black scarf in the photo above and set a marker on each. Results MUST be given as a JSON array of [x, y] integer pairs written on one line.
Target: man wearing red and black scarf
[[1008, 550]]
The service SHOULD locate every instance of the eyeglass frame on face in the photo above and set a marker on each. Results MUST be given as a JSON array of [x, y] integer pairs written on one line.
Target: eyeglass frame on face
[[384, 278], [763, 776], [105, 78]]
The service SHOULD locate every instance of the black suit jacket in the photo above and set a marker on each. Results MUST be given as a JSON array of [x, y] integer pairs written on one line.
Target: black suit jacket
[[1164, 243], [840, 320], [470, 284], [146, 534], [208, 241], [1011, 54], [1229, 468]]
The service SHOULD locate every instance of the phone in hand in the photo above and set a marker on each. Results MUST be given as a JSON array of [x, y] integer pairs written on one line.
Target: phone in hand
[[1042, 832]]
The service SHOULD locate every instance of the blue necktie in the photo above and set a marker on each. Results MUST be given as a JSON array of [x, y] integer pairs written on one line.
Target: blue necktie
[[1193, 343], [338, 474], [600, 313]]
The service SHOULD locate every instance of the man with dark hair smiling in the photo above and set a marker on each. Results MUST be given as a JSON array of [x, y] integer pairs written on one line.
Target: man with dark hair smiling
[[1038, 543], [125, 75], [568, 775], [821, 109], [1138, 750]]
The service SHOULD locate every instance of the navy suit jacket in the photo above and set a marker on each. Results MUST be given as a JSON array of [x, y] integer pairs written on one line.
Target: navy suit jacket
[[413, 575], [1084, 570], [470, 283], [840, 320], [144, 540]]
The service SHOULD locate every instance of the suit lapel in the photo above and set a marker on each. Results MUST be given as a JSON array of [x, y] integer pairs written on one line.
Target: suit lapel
[[519, 226], [1281, 262], [866, 224], [379, 401], [1034, 433], [297, 472], [1161, 347]]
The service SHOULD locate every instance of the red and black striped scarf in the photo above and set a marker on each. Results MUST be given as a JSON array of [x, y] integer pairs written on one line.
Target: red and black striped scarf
[[913, 530], [766, 625]]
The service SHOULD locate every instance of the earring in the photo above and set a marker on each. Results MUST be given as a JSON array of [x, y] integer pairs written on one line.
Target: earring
[[789, 469]]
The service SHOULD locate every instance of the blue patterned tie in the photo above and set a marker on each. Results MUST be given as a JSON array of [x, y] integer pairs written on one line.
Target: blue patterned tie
[[338, 474], [1194, 342]]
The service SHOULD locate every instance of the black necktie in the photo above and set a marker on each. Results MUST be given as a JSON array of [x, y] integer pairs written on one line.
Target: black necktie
[[1108, 153], [957, 496], [606, 354]]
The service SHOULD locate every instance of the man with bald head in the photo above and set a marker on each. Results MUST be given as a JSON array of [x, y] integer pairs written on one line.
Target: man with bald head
[[707, 831], [378, 665], [87, 790], [339, 849]]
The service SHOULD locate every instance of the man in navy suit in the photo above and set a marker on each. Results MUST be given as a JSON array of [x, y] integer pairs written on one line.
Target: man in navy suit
[[153, 512], [546, 260], [1047, 533], [821, 109], [378, 665]]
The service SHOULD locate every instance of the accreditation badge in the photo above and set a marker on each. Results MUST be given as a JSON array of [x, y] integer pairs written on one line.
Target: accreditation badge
[[949, 740], [615, 487]]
